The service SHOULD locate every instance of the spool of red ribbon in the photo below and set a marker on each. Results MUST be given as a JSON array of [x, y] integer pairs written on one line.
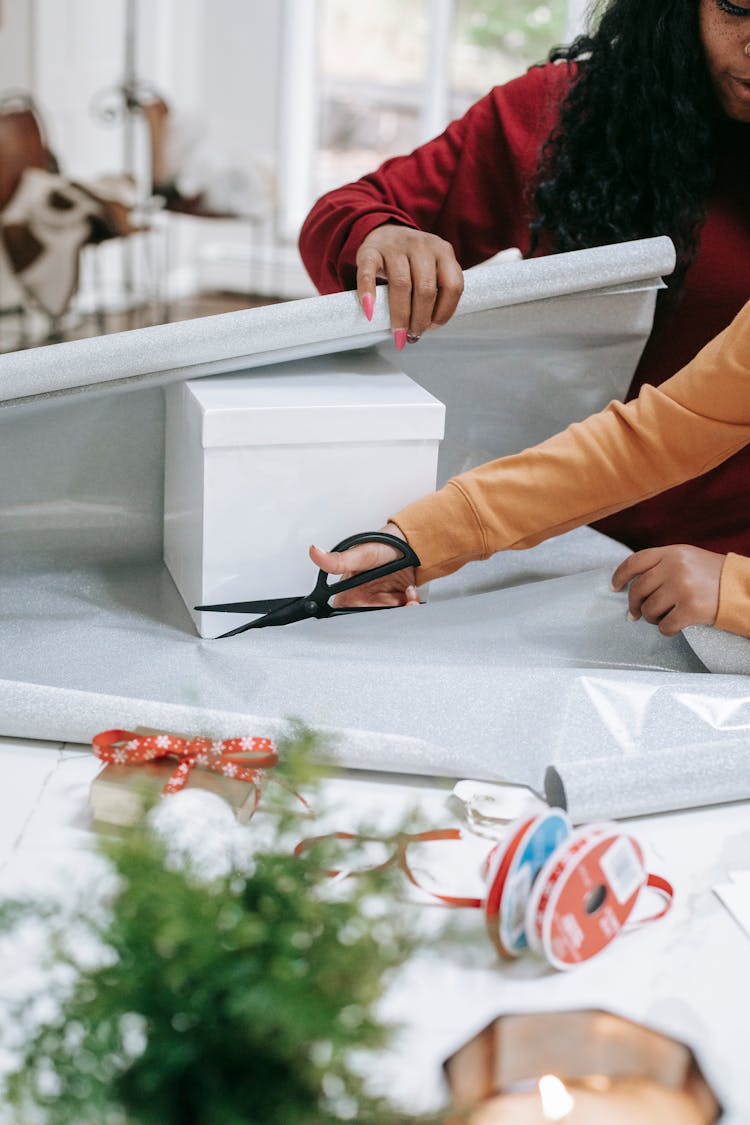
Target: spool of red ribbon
[[564, 893], [569, 907], [511, 869]]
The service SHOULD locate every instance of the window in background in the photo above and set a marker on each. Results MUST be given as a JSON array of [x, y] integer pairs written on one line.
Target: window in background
[[496, 40], [373, 60], [393, 74]]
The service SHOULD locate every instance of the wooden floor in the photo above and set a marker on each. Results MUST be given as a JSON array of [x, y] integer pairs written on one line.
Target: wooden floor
[[80, 326], [187, 308]]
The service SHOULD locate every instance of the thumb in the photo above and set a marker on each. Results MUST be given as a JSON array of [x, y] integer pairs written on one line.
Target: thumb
[[364, 556]]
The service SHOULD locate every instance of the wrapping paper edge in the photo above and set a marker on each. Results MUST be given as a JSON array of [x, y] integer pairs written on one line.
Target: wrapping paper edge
[[684, 777], [51, 714], [247, 338]]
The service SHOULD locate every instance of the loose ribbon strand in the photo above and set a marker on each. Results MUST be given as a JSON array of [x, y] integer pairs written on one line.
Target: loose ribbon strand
[[398, 857]]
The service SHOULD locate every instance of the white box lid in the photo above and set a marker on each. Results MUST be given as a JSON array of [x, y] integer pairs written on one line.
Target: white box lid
[[346, 397]]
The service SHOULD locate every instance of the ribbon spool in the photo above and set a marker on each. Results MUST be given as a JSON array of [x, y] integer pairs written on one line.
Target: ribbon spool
[[586, 899], [564, 893], [539, 896], [511, 869]]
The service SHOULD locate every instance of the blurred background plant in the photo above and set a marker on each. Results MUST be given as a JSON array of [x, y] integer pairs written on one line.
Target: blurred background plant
[[519, 28], [203, 993]]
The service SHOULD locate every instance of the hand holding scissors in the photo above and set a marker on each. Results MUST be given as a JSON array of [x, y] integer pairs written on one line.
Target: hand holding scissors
[[394, 589], [392, 554]]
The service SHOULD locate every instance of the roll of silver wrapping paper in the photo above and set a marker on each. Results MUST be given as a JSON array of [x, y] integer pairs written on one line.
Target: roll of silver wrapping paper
[[677, 778], [52, 714], [236, 341]]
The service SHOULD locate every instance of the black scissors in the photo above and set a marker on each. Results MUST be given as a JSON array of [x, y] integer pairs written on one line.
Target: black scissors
[[284, 611]]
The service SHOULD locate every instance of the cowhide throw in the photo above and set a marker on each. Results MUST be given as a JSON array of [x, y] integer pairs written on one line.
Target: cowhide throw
[[42, 231]]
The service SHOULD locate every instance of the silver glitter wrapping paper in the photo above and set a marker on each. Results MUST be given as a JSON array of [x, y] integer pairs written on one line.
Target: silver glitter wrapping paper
[[41, 712], [507, 670], [513, 665], [720, 651], [314, 326], [636, 785], [91, 484]]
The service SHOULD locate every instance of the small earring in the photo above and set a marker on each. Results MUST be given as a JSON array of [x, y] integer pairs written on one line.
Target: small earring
[[747, 49]]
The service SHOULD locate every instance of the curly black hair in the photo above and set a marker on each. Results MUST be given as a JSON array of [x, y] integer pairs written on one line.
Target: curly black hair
[[633, 153]]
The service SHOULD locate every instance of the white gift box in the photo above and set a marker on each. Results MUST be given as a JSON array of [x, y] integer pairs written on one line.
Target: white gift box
[[261, 464]]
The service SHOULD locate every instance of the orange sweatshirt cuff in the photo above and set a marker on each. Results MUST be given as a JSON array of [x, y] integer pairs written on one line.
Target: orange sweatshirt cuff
[[734, 596], [444, 530]]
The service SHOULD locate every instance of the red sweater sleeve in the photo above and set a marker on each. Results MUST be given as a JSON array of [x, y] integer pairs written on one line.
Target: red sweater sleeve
[[471, 185]]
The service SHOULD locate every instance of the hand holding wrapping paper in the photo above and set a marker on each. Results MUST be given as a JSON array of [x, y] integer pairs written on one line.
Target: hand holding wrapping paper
[[424, 300], [672, 586]]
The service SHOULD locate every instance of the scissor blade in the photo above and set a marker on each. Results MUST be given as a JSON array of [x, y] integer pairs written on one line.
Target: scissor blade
[[290, 611], [259, 623], [267, 605], [359, 609]]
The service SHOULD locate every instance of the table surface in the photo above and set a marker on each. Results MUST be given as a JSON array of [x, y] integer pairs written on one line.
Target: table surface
[[686, 975]]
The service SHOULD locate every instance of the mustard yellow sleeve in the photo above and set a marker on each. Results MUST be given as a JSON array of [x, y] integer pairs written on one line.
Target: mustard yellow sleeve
[[734, 596], [624, 454]]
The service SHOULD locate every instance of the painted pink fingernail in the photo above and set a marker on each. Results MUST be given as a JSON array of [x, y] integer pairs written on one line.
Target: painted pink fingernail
[[368, 305], [399, 339]]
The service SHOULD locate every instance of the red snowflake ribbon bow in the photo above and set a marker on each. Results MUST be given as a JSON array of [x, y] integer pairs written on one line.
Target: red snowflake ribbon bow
[[240, 758]]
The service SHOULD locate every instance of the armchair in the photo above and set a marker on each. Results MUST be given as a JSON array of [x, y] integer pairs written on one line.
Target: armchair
[[45, 221]]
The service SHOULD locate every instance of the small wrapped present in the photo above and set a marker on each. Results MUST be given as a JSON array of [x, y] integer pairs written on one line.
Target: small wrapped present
[[142, 764]]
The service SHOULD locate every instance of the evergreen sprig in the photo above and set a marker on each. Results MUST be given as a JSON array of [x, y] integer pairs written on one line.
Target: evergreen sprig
[[230, 1001]]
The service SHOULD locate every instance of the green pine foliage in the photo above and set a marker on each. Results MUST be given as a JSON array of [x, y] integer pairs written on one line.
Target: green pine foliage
[[233, 1001]]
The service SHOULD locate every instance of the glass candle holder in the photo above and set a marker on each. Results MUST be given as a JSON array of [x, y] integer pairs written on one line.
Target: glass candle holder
[[577, 1068]]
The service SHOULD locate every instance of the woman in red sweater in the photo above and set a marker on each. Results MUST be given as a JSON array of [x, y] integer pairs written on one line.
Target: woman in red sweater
[[641, 128]]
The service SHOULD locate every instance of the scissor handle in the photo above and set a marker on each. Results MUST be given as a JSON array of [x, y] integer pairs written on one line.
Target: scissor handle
[[323, 591]]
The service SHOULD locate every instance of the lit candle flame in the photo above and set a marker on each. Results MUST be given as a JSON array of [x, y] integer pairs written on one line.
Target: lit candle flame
[[556, 1101]]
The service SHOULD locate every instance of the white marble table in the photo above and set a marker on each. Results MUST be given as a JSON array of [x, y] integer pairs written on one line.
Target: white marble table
[[686, 975]]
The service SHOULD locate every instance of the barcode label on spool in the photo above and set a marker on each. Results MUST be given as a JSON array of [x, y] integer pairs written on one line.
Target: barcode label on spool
[[623, 869]]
